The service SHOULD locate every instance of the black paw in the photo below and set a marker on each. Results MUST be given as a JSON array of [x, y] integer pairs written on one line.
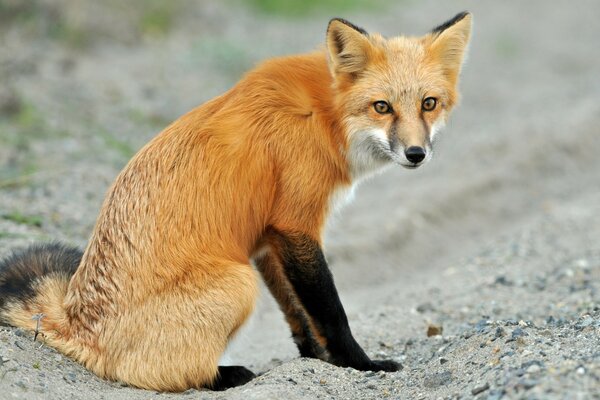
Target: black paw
[[231, 376], [383, 365]]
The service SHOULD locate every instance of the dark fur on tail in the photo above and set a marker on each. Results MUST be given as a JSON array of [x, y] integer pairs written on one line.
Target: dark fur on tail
[[20, 269]]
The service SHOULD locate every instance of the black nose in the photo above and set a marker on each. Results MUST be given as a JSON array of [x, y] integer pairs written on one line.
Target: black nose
[[415, 154]]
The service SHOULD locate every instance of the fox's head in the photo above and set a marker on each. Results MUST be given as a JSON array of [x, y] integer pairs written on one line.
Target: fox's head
[[395, 94]]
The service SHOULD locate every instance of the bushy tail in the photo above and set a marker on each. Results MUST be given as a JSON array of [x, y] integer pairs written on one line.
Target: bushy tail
[[34, 282]]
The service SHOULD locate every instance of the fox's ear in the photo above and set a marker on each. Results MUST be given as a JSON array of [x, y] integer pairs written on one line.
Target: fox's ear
[[348, 47], [448, 43]]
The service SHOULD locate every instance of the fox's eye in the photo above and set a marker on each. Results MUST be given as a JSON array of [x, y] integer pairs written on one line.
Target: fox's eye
[[429, 104], [382, 107]]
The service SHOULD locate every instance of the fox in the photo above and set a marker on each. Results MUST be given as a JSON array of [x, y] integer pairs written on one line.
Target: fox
[[239, 188]]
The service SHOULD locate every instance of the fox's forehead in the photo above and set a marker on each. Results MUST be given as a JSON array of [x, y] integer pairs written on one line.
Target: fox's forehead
[[404, 71]]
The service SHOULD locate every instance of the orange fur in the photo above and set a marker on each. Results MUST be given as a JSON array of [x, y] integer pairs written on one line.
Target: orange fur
[[166, 278]]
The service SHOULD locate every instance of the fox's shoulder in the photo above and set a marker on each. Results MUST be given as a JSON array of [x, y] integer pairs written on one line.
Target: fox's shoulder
[[297, 83]]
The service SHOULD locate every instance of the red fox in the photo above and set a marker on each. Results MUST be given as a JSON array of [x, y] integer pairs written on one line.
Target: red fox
[[247, 178]]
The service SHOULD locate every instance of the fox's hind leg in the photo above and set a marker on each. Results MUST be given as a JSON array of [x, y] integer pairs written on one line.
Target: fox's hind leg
[[173, 340]]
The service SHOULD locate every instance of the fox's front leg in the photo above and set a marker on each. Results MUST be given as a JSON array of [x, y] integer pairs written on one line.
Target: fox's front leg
[[304, 266]]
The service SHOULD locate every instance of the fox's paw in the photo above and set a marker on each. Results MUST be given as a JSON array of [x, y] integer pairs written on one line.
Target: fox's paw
[[384, 365], [231, 376]]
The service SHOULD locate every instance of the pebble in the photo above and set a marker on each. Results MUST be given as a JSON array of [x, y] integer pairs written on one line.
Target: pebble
[[587, 321], [480, 389], [533, 369], [425, 307], [434, 330], [19, 332], [518, 332], [528, 383], [70, 377], [496, 394], [21, 384], [437, 379], [499, 332]]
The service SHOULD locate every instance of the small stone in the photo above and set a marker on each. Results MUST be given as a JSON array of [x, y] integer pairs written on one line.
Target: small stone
[[499, 332], [21, 384], [425, 307], [518, 332], [71, 377], [496, 394], [480, 389], [434, 330], [438, 379], [528, 383], [587, 321], [502, 280], [580, 370], [533, 369], [19, 332]]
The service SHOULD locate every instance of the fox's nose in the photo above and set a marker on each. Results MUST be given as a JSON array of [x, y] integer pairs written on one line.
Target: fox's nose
[[415, 154]]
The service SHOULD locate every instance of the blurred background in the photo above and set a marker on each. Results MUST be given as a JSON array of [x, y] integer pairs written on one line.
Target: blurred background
[[84, 84]]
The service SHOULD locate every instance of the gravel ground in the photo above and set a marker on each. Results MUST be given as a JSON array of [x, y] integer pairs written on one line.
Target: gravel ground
[[495, 243]]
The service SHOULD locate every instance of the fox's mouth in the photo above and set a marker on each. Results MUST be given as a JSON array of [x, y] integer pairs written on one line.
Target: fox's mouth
[[411, 166]]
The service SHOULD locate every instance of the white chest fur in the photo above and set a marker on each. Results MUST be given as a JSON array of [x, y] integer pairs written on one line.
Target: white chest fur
[[340, 196]]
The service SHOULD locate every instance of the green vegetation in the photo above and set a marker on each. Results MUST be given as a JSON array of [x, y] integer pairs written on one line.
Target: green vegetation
[[302, 8], [31, 220], [10, 235], [19, 128], [158, 16]]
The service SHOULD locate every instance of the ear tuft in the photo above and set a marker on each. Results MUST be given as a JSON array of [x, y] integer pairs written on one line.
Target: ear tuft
[[348, 47]]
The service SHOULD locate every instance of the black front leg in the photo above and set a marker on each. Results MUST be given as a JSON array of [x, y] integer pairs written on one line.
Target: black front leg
[[305, 266]]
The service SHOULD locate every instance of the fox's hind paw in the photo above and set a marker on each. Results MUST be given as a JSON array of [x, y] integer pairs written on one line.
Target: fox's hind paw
[[384, 365]]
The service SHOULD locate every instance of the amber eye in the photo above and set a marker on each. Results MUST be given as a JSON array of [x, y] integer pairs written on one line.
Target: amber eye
[[382, 107], [429, 104]]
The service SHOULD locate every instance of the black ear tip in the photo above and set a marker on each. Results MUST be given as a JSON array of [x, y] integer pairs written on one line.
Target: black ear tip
[[347, 23], [457, 18]]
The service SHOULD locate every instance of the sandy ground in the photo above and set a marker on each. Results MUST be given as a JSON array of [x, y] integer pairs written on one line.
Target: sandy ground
[[496, 240]]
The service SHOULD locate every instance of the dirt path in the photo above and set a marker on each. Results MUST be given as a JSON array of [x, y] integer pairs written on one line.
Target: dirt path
[[496, 239]]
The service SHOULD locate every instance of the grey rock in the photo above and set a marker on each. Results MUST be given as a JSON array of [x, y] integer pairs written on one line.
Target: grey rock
[[480, 389], [437, 379]]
